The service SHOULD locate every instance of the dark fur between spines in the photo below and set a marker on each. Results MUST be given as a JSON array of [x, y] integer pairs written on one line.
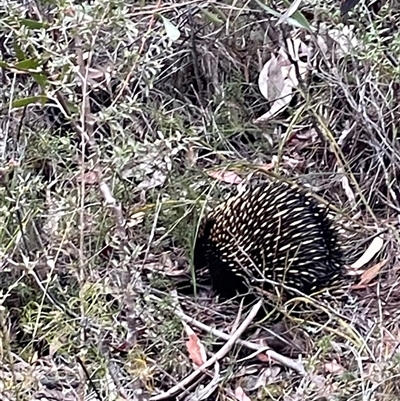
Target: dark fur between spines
[[272, 231]]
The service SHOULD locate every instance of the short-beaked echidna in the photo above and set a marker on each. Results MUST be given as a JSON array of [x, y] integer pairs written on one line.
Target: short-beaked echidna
[[272, 231]]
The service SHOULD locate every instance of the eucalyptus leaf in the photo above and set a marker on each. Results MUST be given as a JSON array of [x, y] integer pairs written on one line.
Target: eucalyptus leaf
[[29, 100], [290, 11], [28, 64], [32, 24], [41, 79], [211, 17], [172, 31], [297, 19], [19, 52]]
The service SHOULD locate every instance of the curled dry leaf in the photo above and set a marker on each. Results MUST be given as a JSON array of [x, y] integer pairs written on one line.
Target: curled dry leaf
[[303, 139], [271, 79], [369, 275], [197, 352], [292, 163], [230, 177], [69, 11], [390, 342], [278, 77], [375, 246]]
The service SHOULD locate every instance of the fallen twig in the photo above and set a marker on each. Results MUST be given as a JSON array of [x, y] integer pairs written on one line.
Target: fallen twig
[[219, 355], [283, 360]]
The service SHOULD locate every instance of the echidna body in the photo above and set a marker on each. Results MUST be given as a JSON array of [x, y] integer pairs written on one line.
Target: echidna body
[[273, 231]]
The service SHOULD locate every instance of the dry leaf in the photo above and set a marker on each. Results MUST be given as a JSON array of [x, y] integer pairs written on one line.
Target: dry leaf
[[349, 192], [390, 342], [334, 367], [261, 378], [271, 79], [293, 163], [12, 163], [280, 104], [197, 352], [191, 156], [241, 395], [373, 249], [303, 139], [135, 219], [69, 11], [95, 73], [369, 275], [263, 357], [268, 166], [230, 177], [90, 177], [278, 77]]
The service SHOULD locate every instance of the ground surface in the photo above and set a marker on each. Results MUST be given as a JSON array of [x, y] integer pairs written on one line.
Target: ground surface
[[121, 123]]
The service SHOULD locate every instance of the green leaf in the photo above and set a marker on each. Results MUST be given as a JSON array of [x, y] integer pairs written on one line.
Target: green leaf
[[172, 31], [290, 11], [211, 17], [301, 20], [41, 79], [29, 100], [28, 64], [32, 24], [19, 52], [297, 19], [3, 64], [269, 10]]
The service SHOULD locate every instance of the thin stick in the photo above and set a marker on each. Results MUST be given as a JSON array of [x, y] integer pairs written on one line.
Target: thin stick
[[283, 360], [219, 355]]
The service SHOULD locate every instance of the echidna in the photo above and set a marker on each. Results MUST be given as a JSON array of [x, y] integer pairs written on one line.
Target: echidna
[[272, 231]]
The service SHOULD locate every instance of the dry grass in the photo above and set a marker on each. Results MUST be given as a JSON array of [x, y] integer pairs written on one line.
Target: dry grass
[[103, 184]]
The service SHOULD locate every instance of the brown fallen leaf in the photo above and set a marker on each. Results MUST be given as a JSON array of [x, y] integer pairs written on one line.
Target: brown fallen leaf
[[197, 352], [369, 275], [230, 177], [263, 357]]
